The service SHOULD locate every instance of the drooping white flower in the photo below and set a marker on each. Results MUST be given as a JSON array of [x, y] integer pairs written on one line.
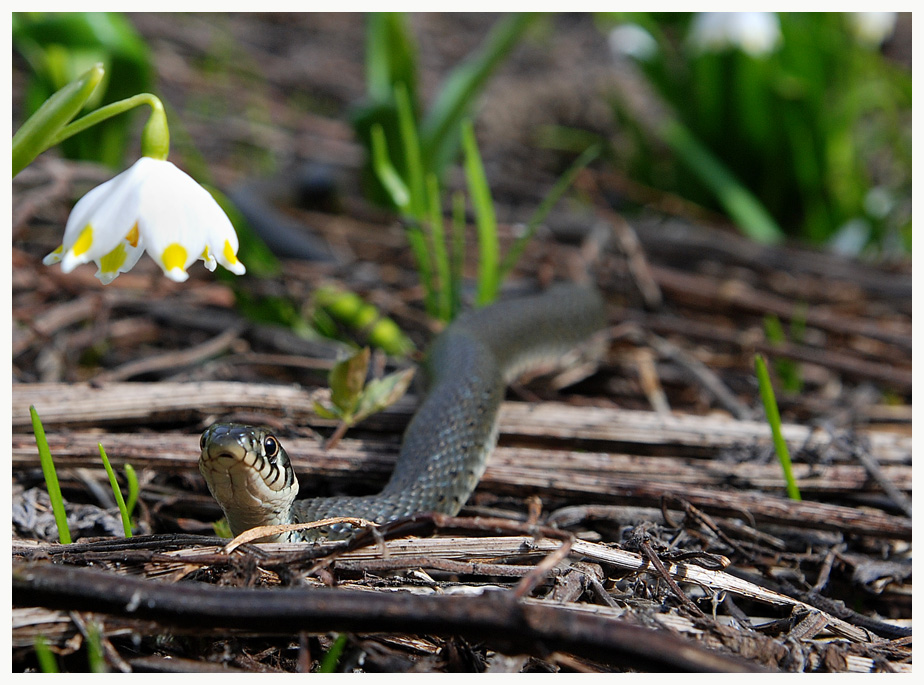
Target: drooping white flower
[[755, 33], [153, 206], [631, 40], [872, 28]]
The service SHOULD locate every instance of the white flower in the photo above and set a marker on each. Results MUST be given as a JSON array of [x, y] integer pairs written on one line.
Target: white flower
[[756, 33], [633, 41], [872, 28], [151, 206]]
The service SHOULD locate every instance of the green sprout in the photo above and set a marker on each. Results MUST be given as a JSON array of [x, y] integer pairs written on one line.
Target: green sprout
[[772, 412], [54, 488], [46, 658], [51, 478], [331, 658], [787, 369], [116, 491]]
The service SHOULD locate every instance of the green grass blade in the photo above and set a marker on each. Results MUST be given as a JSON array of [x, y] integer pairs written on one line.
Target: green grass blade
[[485, 219], [386, 172], [116, 491], [51, 478], [401, 196], [415, 170], [458, 249], [561, 185], [786, 369], [391, 54], [773, 418], [133, 488], [440, 253], [95, 659], [330, 660], [46, 659]]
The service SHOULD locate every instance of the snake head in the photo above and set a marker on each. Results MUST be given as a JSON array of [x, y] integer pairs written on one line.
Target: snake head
[[249, 473]]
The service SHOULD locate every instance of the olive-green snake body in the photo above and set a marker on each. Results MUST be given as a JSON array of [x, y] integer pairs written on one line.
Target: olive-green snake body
[[446, 444]]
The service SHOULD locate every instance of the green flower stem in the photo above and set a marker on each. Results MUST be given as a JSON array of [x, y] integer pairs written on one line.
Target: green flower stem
[[773, 418], [155, 140], [51, 478], [38, 132]]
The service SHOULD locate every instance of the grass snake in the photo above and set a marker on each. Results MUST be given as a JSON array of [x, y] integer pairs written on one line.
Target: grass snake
[[447, 442]]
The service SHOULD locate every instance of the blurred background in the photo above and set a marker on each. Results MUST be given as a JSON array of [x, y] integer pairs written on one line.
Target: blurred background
[[807, 115]]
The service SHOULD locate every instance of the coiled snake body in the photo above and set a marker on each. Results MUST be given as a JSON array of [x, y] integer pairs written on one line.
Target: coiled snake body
[[446, 444]]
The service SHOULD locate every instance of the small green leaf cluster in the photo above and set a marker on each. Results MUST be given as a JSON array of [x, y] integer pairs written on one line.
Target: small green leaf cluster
[[352, 399], [772, 411]]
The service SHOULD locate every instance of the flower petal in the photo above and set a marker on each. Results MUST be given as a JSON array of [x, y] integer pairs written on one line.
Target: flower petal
[[121, 259], [102, 218]]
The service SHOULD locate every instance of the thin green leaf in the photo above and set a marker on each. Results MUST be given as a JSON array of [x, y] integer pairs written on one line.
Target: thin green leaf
[[36, 134], [458, 250], [440, 253], [485, 219], [440, 127], [386, 172], [116, 491], [743, 208], [411, 143], [51, 478], [772, 411], [391, 55], [95, 659]]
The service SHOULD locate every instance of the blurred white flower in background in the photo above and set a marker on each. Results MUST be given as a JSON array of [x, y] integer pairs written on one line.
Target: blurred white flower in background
[[872, 28], [755, 33], [631, 40], [153, 206]]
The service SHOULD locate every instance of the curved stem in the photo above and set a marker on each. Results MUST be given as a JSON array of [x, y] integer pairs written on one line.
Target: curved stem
[[107, 112]]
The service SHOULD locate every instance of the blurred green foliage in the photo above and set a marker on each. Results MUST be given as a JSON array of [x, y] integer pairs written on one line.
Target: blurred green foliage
[[59, 47], [818, 126], [391, 64]]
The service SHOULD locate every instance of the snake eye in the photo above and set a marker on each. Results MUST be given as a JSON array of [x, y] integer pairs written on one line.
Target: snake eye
[[202, 440], [271, 446]]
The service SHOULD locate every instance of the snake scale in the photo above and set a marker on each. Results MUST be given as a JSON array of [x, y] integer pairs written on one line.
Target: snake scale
[[447, 442]]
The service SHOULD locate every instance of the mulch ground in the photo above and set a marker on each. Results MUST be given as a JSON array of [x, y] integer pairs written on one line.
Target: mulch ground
[[633, 516]]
